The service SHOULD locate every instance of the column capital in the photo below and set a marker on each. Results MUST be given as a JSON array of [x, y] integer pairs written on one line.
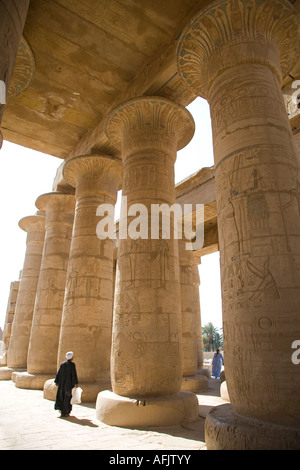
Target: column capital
[[32, 223], [231, 33], [58, 207], [88, 173], [149, 120], [54, 199]]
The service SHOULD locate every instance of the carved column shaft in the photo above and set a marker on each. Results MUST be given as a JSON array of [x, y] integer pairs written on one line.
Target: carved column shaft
[[87, 311], [194, 376], [45, 330], [19, 341], [11, 307], [189, 310], [234, 53], [146, 350], [198, 326]]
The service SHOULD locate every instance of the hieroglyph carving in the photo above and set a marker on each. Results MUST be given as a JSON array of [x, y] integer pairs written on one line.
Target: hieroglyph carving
[[44, 337], [146, 349], [232, 33], [87, 310], [235, 53]]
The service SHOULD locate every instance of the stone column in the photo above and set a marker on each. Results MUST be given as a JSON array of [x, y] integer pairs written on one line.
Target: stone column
[[18, 347], [11, 306], [87, 311], [45, 330], [196, 282], [235, 53], [190, 314], [146, 365]]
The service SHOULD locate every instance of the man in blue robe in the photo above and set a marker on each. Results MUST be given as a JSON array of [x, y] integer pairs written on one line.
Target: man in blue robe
[[217, 362]]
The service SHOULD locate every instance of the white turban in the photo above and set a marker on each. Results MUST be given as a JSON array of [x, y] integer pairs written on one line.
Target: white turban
[[69, 355]]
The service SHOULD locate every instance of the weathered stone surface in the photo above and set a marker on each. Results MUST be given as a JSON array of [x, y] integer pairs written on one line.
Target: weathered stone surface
[[87, 311], [224, 392], [236, 432], [192, 347], [23, 379], [11, 306], [45, 329], [19, 341], [235, 54], [190, 310], [89, 394], [147, 331], [178, 409], [146, 356], [195, 383], [12, 20]]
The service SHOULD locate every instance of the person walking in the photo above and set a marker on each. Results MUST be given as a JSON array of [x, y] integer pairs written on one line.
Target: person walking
[[217, 362], [66, 379]]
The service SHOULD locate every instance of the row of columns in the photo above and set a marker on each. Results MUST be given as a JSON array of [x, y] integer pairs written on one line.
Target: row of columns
[[9, 317], [234, 53], [40, 357], [74, 283], [34, 226]]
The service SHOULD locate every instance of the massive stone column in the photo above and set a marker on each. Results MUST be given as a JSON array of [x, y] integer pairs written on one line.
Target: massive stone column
[[146, 366], [43, 345], [190, 313], [18, 347], [11, 307], [196, 283], [235, 53], [87, 311]]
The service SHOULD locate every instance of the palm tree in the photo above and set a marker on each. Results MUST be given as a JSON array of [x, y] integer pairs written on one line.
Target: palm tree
[[212, 338]]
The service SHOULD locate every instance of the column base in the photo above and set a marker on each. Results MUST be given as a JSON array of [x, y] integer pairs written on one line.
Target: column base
[[30, 381], [226, 430], [194, 383], [204, 371], [173, 410], [89, 390], [224, 392], [6, 372], [3, 360], [49, 390]]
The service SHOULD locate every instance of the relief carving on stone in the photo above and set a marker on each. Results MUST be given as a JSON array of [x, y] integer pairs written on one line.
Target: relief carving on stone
[[146, 119], [23, 71], [230, 33]]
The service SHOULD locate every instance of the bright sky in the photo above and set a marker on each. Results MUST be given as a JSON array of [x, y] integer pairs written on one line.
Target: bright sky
[[26, 174]]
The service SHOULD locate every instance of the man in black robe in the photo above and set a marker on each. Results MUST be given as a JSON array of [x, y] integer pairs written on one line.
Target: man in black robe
[[66, 379]]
